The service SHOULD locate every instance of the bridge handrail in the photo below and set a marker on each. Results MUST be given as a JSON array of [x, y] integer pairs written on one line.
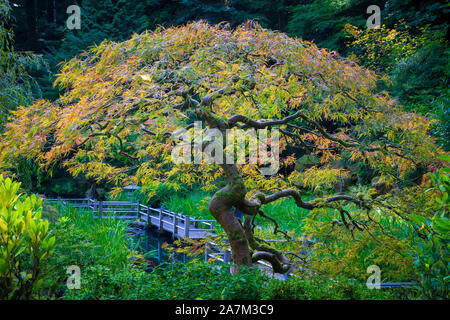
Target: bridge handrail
[[121, 206]]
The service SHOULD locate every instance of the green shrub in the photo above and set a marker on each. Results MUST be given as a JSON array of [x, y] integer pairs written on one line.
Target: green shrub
[[198, 280], [418, 76], [101, 282], [194, 280], [322, 288], [438, 109], [431, 255], [25, 242], [84, 241]]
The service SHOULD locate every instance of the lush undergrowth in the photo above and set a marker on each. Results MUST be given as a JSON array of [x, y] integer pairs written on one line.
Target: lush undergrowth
[[199, 280], [103, 251], [83, 241], [110, 268]]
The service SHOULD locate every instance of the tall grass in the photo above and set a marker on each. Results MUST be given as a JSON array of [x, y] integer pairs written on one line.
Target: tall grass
[[284, 211], [287, 214], [195, 204], [82, 237]]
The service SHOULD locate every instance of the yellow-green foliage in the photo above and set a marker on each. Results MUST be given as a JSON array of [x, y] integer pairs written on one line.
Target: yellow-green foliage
[[348, 251], [381, 48], [314, 177], [25, 243]]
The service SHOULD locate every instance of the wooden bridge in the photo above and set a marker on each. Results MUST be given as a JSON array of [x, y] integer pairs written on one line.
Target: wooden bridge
[[179, 225]]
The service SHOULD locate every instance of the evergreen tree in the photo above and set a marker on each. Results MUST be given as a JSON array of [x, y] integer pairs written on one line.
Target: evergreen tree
[[16, 86]]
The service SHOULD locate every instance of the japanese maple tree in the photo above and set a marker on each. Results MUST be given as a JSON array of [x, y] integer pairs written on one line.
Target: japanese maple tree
[[123, 101]]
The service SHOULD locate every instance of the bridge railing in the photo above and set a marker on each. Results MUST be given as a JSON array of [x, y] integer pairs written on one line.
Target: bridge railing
[[178, 224]]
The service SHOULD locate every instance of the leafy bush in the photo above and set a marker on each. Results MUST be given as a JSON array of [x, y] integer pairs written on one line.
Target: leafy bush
[[418, 77], [25, 242], [415, 59], [322, 288], [382, 48], [431, 255], [438, 108], [16, 85], [194, 280], [384, 240], [198, 280], [431, 262], [84, 241]]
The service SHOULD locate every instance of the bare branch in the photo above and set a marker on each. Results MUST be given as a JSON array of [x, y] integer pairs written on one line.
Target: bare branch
[[257, 124], [209, 98], [277, 266], [166, 133], [310, 205]]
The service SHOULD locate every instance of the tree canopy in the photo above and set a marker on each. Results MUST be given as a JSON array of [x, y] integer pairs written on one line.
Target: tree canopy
[[122, 101]]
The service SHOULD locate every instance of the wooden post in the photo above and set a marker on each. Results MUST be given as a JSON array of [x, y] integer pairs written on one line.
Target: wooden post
[[161, 221], [212, 226], [186, 226], [226, 256], [139, 210], [60, 202], [95, 208], [148, 216], [206, 252], [159, 250], [175, 221], [100, 209]]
